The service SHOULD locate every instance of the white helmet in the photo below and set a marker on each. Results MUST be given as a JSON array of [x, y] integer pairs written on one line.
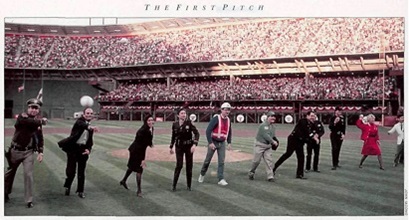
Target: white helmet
[[225, 105]]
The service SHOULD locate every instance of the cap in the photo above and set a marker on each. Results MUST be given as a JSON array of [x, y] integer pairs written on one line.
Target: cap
[[225, 105], [34, 102], [270, 113]]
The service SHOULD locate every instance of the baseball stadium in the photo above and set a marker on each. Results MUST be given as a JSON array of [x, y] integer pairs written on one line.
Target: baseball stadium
[[289, 66]]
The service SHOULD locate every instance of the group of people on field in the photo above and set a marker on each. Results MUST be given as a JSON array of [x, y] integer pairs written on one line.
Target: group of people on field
[[28, 138]]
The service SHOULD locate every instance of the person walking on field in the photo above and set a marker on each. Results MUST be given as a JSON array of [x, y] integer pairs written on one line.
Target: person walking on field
[[218, 132], [302, 133], [137, 153], [27, 138], [264, 144], [399, 129], [78, 147], [313, 146], [370, 136], [185, 144], [337, 125]]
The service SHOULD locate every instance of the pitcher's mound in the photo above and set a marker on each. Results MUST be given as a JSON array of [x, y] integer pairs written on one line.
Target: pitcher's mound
[[161, 153]]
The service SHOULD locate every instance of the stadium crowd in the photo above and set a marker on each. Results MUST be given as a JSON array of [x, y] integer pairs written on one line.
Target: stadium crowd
[[279, 88], [263, 39]]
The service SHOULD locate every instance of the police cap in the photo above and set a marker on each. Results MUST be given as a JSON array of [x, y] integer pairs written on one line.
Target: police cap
[[34, 102]]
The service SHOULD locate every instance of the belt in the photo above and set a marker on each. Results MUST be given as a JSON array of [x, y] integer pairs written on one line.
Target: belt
[[337, 132], [187, 142], [18, 147]]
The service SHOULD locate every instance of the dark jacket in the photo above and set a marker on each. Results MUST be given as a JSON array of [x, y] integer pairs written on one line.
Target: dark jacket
[[303, 131], [143, 139], [182, 134], [338, 128], [69, 144], [28, 129], [318, 128]]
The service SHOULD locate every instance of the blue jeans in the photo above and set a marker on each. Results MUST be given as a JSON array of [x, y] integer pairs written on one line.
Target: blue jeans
[[221, 154]]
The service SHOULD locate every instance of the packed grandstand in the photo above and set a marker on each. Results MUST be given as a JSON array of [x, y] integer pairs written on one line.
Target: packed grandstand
[[294, 59]]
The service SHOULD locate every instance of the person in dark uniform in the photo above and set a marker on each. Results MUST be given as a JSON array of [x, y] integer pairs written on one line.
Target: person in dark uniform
[[137, 152], [78, 147], [27, 138], [318, 128], [302, 133], [182, 131], [337, 125]]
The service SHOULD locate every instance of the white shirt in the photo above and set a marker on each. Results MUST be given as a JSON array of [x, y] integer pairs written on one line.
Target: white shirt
[[84, 137], [399, 129]]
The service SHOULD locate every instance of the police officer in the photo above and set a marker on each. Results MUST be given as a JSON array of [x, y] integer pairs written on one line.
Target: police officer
[[182, 131], [318, 128], [27, 138], [337, 125], [302, 133], [264, 144]]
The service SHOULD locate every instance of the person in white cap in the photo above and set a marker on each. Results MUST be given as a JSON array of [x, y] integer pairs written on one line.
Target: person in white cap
[[264, 144], [218, 132], [27, 138]]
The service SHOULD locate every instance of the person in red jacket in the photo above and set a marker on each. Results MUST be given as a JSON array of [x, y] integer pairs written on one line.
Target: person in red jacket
[[370, 136]]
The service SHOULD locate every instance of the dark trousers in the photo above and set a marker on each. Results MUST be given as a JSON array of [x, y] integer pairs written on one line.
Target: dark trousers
[[316, 148], [293, 144], [72, 160], [180, 151], [336, 143], [399, 153]]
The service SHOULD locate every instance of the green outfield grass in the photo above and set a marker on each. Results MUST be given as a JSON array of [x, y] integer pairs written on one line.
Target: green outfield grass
[[348, 191]]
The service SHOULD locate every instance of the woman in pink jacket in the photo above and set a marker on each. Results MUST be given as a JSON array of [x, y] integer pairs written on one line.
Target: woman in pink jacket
[[370, 137]]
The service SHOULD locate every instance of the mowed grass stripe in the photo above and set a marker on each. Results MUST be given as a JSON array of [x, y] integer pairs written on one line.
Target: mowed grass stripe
[[154, 194], [341, 184], [371, 173], [166, 171], [99, 201], [368, 195], [214, 201], [307, 204], [163, 173], [116, 173], [48, 194], [338, 190], [290, 195], [330, 193]]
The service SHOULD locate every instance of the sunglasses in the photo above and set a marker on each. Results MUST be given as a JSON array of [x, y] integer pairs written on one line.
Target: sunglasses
[[33, 107]]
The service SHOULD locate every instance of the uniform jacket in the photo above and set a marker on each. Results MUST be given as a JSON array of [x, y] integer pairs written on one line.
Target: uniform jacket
[[69, 144], [318, 128], [398, 128], [303, 130], [28, 129], [182, 134]]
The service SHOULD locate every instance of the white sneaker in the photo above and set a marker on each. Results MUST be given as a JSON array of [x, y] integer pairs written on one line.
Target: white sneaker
[[201, 179], [222, 182]]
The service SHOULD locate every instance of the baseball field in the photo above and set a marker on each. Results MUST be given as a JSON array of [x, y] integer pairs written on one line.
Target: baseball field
[[348, 191]]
